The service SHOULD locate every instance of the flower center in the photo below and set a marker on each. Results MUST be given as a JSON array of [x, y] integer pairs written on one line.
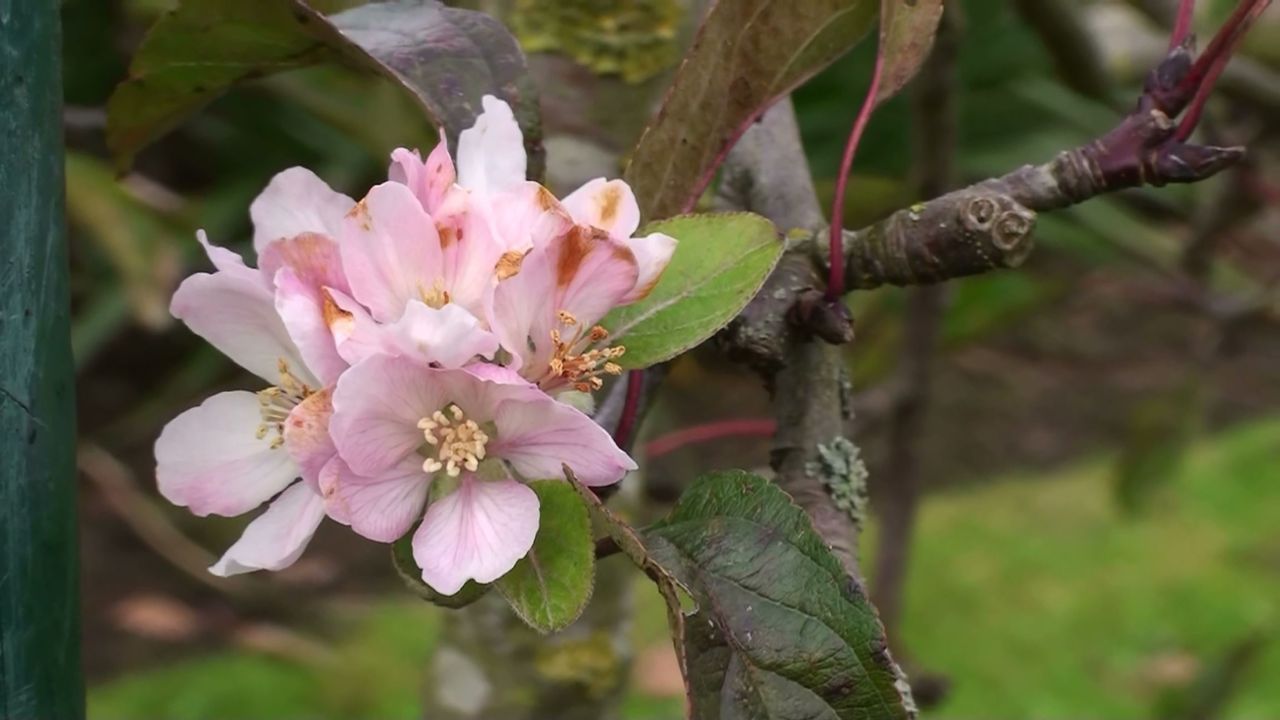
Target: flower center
[[458, 440], [437, 297], [571, 363], [276, 402]]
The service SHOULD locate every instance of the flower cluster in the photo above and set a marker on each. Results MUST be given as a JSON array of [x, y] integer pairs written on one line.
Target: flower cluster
[[417, 346]]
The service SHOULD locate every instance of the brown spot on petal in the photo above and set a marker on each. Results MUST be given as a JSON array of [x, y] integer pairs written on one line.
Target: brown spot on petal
[[360, 213], [448, 235], [545, 199], [509, 264], [575, 246], [334, 316], [313, 257], [608, 202]]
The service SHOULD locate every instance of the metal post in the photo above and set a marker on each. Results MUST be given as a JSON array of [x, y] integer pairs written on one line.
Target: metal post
[[40, 676]]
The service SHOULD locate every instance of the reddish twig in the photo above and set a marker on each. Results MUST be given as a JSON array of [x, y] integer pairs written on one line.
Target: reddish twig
[[630, 409], [835, 281], [1206, 70], [1182, 27], [749, 427]]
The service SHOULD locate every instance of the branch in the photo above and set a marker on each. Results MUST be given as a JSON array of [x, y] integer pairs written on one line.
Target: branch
[[988, 226], [767, 173]]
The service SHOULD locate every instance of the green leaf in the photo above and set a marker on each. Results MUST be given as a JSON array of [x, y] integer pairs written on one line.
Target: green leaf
[[781, 631], [719, 264], [747, 54], [907, 29], [445, 58], [549, 588], [411, 574]]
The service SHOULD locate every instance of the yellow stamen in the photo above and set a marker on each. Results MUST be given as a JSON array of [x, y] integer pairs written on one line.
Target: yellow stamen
[[459, 442]]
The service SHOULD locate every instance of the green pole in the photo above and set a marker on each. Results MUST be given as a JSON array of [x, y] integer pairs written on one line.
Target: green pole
[[40, 675]]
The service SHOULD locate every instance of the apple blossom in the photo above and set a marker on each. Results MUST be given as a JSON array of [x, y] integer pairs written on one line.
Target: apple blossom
[[560, 266], [406, 431]]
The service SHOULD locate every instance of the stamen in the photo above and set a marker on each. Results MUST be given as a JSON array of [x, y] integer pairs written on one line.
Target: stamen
[[460, 442], [276, 402], [572, 364]]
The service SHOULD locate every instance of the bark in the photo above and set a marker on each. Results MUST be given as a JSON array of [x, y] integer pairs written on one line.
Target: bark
[[767, 173]]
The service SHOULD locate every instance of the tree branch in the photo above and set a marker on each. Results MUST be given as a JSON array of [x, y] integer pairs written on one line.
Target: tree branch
[[987, 226], [767, 173]]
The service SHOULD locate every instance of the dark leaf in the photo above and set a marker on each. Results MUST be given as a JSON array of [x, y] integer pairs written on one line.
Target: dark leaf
[[446, 58], [779, 630], [907, 28], [747, 54]]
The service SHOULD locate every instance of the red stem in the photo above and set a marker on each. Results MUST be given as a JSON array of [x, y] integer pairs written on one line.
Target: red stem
[[630, 409], [835, 281], [750, 427], [1182, 28], [1210, 65]]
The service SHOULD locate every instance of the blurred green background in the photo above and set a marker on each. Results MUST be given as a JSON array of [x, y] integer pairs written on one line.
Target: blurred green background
[[1100, 531]]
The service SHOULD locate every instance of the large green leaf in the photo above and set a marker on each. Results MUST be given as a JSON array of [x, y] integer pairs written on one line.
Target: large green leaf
[[719, 264], [747, 54], [549, 588], [781, 631], [445, 58]]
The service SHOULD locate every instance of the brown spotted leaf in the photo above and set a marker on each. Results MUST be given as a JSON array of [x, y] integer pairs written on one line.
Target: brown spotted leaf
[[445, 58], [747, 54], [907, 29], [770, 625]]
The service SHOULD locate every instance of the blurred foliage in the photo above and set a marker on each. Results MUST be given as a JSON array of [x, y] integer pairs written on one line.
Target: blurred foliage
[[636, 39]]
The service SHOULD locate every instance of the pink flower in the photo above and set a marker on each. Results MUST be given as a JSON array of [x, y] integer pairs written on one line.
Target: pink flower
[[405, 431], [564, 266], [240, 449], [291, 322]]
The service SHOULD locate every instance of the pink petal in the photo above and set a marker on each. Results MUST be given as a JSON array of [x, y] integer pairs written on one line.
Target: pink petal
[[376, 408], [449, 336], [652, 252], [491, 156], [430, 181], [478, 533], [583, 272], [238, 317], [311, 317], [210, 460], [606, 204], [306, 434], [229, 262], [524, 216], [381, 508], [277, 537], [391, 251], [497, 374], [303, 269], [538, 435], [296, 202]]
